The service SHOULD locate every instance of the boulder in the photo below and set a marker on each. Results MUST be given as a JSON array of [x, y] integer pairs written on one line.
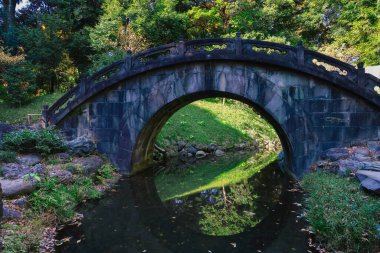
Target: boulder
[[14, 170], [352, 165], [361, 151], [81, 146], [334, 154], [88, 165], [29, 160], [64, 176], [17, 187], [369, 180], [11, 214], [219, 152], [200, 154]]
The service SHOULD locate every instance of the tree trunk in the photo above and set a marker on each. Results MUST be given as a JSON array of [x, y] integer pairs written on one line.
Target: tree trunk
[[9, 16]]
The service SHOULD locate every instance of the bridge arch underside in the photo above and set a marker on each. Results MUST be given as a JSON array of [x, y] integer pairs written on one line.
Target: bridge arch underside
[[310, 115]]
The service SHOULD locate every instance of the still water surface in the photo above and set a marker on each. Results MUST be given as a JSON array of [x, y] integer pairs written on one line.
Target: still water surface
[[150, 213]]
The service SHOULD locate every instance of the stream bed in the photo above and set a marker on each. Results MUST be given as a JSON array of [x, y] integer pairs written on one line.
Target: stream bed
[[235, 203]]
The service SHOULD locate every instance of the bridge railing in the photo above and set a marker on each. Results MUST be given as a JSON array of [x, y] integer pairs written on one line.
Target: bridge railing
[[203, 50]]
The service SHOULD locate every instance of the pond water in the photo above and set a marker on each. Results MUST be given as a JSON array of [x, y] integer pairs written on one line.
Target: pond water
[[236, 203]]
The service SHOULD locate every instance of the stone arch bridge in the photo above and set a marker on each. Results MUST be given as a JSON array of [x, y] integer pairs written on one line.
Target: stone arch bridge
[[315, 102]]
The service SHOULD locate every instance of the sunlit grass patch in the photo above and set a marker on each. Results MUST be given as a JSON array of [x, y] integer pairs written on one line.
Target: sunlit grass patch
[[211, 121]]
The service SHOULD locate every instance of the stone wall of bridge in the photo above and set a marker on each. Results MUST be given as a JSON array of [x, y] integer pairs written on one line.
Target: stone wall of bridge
[[311, 115]]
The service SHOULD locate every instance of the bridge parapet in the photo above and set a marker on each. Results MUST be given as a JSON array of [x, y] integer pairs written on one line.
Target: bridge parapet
[[344, 75]]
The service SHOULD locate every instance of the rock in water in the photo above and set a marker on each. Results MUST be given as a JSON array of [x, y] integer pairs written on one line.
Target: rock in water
[[14, 188], [200, 154], [369, 180]]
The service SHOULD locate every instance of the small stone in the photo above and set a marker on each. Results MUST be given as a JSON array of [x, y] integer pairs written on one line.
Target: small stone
[[14, 188], [21, 202], [29, 160], [219, 152], [334, 154], [11, 214], [64, 176], [201, 147], [200, 154], [89, 164], [190, 149], [211, 148], [182, 154]]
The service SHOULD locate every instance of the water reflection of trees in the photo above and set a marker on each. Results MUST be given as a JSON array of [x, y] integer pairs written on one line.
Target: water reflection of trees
[[233, 211]]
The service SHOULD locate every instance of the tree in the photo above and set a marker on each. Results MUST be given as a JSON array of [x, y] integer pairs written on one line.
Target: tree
[[8, 15]]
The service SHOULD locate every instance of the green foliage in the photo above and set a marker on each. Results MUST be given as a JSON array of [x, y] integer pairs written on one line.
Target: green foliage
[[44, 141], [105, 172], [18, 84], [102, 60], [60, 199], [341, 214], [7, 156], [67, 73]]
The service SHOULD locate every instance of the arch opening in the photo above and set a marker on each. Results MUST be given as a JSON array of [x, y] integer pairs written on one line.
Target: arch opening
[[142, 156]]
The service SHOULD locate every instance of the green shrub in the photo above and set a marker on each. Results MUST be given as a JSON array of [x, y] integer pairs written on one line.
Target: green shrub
[[342, 215], [60, 199], [7, 156], [106, 172], [44, 141]]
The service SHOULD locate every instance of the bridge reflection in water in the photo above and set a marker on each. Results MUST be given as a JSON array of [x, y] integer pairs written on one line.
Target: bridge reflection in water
[[259, 214]]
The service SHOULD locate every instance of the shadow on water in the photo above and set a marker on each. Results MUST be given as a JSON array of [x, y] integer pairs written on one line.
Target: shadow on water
[[134, 219]]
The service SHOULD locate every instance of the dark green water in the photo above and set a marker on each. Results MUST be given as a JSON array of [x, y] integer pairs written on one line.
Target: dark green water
[[258, 214]]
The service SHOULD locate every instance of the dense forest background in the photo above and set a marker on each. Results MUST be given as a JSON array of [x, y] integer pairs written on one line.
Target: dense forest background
[[48, 45]]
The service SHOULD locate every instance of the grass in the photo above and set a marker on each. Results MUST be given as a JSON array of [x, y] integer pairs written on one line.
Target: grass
[[341, 214], [18, 115], [209, 121], [225, 171]]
